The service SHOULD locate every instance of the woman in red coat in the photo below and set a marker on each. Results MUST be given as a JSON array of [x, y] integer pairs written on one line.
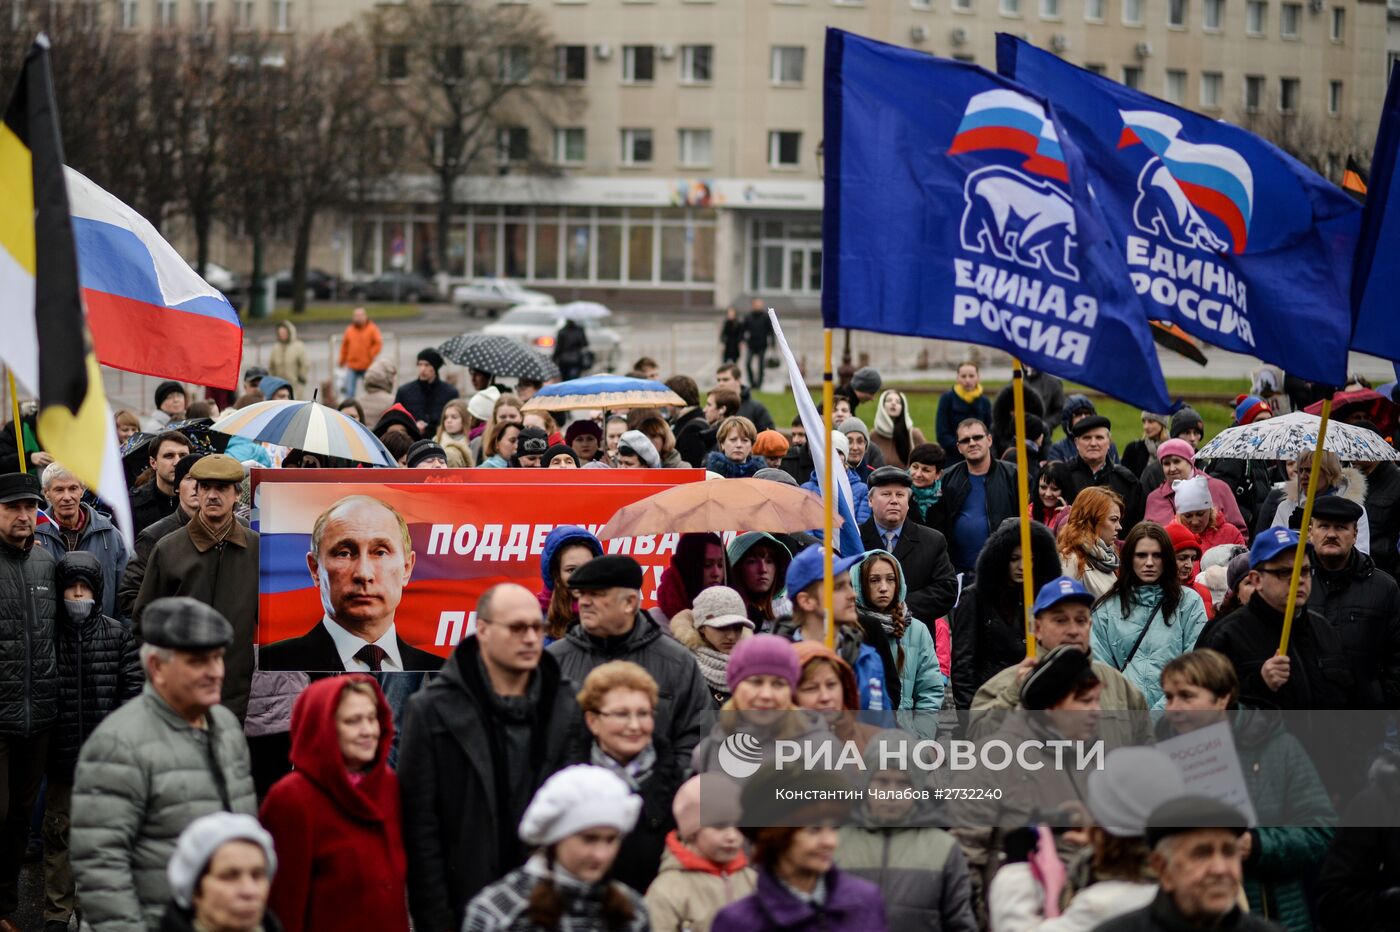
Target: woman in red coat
[[336, 817]]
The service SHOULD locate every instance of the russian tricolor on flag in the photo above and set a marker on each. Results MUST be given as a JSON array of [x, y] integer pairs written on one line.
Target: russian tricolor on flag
[[148, 311], [1004, 119]]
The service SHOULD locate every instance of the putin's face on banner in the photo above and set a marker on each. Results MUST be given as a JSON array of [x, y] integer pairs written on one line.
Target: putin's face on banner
[[361, 565]]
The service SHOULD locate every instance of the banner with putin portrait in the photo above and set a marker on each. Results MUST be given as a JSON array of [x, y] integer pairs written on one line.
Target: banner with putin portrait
[[386, 567]]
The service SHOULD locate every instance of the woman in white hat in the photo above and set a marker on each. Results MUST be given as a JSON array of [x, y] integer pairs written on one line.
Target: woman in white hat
[[575, 823], [221, 876]]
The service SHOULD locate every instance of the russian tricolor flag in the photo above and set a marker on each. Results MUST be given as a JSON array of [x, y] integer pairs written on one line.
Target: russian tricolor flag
[[148, 311], [1005, 119]]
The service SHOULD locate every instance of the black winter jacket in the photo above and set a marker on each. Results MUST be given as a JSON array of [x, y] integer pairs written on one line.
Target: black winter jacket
[[149, 504], [1359, 884], [1000, 489], [99, 668], [1362, 604], [424, 400], [989, 629], [451, 769], [1162, 915], [639, 858], [1383, 513], [1112, 476], [28, 612], [689, 430]]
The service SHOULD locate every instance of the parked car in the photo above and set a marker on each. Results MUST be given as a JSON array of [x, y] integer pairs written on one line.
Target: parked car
[[538, 325], [220, 277], [494, 295], [408, 287], [320, 286]]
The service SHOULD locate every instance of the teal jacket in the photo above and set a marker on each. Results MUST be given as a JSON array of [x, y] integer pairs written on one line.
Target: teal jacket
[[921, 681], [1112, 636]]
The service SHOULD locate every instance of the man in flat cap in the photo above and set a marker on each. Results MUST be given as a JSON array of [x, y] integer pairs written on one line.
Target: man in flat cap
[[1093, 439], [612, 626], [1361, 601], [214, 559], [361, 559], [155, 765], [29, 708], [922, 552]]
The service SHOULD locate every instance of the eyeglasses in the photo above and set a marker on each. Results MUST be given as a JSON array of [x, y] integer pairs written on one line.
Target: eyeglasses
[[1286, 572], [635, 715], [975, 438], [517, 628]]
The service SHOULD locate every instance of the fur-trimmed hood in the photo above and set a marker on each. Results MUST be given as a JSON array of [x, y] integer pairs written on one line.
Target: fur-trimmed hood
[[1352, 486], [996, 554]]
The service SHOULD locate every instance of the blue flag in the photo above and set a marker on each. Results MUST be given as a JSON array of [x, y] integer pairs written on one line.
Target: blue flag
[[956, 209], [1375, 287], [1225, 234]]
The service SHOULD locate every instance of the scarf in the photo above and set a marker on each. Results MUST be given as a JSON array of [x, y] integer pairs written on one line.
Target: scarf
[[713, 665], [634, 772], [924, 499], [967, 396], [1102, 558], [884, 424]]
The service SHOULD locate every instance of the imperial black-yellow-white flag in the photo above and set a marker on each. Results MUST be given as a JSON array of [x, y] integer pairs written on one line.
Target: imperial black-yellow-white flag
[[45, 338]]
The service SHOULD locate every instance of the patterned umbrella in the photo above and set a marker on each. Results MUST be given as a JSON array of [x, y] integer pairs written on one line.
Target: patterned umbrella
[[309, 426], [602, 391], [730, 505], [1283, 438], [582, 310], [499, 355]]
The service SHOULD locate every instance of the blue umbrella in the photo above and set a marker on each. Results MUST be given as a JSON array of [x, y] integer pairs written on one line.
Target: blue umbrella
[[602, 391]]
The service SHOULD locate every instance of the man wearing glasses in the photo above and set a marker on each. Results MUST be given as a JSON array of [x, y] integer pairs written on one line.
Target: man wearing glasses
[[478, 740], [1314, 673], [978, 494]]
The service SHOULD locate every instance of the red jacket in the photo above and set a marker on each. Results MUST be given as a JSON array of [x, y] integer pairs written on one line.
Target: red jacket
[[340, 855]]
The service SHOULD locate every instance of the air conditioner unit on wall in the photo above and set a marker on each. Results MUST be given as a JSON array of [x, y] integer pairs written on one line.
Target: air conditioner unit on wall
[[1143, 50], [667, 52], [603, 51], [958, 36], [1315, 6], [1059, 42], [918, 33]]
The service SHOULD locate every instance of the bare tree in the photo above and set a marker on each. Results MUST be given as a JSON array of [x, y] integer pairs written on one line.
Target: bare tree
[[461, 71], [1324, 145]]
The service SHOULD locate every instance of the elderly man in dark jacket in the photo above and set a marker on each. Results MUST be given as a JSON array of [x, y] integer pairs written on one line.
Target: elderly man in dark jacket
[[76, 526], [425, 396], [478, 740], [1093, 439], [98, 670], [1383, 512], [214, 559], [612, 626], [29, 694]]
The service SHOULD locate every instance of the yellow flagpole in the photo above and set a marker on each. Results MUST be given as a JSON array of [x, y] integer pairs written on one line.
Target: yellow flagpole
[[1018, 394], [829, 499], [19, 428], [1303, 527]]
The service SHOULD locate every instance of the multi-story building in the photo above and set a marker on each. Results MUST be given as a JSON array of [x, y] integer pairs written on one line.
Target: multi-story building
[[692, 172]]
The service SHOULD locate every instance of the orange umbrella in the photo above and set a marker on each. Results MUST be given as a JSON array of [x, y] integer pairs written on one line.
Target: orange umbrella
[[720, 505]]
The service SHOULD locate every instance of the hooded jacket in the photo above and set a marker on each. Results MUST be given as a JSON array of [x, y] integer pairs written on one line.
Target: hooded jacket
[[1112, 636], [986, 638], [29, 600], [289, 361], [860, 493], [781, 604], [100, 538], [846, 726], [458, 830], [1283, 508], [921, 680], [340, 853], [98, 667], [377, 390], [558, 539], [689, 889], [851, 905]]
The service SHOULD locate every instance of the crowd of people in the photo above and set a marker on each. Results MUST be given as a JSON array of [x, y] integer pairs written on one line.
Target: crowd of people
[[549, 772]]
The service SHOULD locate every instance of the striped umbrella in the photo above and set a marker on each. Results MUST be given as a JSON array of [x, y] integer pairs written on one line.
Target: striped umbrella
[[309, 426], [602, 391]]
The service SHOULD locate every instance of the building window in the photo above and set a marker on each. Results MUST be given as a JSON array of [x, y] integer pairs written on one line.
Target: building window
[[636, 147], [1256, 17], [165, 14], [512, 145], [1049, 9], [243, 20], [1176, 86], [784, 149], [696, 63], [786, 64], [126, 14], [1334, 97], [1096, 68], [1132, 12], [513, 65], [1093, 10], [1288, 91], [695, 148], [1214, 18], [204, 15], [1211, 82], [1289, 16], [1132, 77], [571, 64], [1253, 92], [569, 145], [1009, 7], [393, 62], [962, 6], [921, 4], [1176, 13], [1339, 23], [281, 15], [638, 64]]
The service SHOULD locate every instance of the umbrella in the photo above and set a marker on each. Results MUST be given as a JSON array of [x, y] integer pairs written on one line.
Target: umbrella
[[1175, 339], [136, 452], [1283, 438], [731, 505], [582, 310], [309, 426], [602, 391], [1374, 406], [499, 355]]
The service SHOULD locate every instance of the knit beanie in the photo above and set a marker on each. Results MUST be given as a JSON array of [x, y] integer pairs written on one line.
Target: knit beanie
[[483, 403], [1159, 418], [1183, 538], [1192, 494], [1249, 407], [166, 389], [1133, 782], [1237, 571], [432, 357], [760, 655], [184, 465], [1185, 419], [577, 798], [839, 444], [867, 380], [854, 425], [1176, 447], [707, 799], [199, 842], [640, 444]]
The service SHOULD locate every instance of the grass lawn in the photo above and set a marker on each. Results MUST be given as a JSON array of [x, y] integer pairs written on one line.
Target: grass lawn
[[325, 312]]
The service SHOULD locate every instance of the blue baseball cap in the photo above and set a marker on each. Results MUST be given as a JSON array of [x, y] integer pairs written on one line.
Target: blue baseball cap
[[806, 568], [1061, 589], [1271, 542]]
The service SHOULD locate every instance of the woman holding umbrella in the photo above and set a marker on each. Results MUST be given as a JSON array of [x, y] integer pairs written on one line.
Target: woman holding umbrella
[[571, 350]]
